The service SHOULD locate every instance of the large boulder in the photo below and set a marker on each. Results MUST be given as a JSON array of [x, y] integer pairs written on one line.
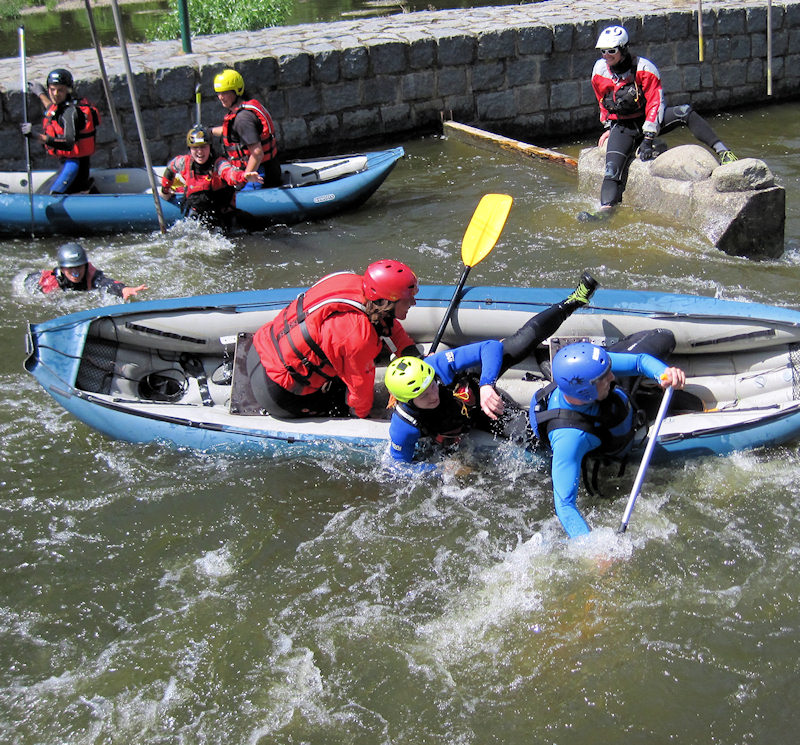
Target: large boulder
[[737, 206]]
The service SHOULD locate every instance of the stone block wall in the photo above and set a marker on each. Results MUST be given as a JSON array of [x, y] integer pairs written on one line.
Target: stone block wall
[[522, 71]]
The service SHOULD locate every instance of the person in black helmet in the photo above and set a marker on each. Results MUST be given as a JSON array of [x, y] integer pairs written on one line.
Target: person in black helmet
[[633, 111], [75, 272], [207, 182], [68, 131]]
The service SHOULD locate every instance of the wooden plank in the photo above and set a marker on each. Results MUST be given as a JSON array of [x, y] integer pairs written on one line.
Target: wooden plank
[[490, 141]]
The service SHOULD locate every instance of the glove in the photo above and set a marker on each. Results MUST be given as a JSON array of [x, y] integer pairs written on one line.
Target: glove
[[646, 149], [36, 88], [26, 128]]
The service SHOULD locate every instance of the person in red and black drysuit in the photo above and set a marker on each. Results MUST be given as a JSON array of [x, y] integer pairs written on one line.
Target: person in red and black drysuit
[[207, 182], [75, 273], [69, 130], [633, 111], [317, 357], [247, 131]]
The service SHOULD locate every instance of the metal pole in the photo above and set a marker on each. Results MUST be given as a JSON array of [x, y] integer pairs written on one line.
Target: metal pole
[[23, 62], [648, 453], [769, 47], [183, 18], [137, 113], [106, 87]]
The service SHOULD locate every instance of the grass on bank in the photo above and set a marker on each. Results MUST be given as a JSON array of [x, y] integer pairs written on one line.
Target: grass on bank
[[205, 16], [12, 8], [221, 16]]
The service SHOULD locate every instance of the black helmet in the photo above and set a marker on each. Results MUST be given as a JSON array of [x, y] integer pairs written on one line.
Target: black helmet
[[60, 76], [71, 254], [198, 136]]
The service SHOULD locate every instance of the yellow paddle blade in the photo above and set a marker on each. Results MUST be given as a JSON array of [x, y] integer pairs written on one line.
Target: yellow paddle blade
[[485, 227]]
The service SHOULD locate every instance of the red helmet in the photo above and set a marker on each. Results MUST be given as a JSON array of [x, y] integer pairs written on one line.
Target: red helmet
[[389, 280]]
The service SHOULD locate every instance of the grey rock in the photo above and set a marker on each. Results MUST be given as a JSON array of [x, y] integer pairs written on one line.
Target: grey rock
[[684, 163], [746, 174]]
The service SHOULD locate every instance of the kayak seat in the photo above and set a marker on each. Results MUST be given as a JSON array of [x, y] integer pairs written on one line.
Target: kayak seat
[[243, 401]]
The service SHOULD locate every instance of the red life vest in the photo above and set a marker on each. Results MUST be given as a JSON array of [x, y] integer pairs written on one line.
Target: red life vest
[[291, 343], [237, 152], [219, 177], [84, 138], [48, 282]]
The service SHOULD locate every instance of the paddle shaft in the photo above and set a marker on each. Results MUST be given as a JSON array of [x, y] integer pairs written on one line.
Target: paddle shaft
[[23, 63], [648, 453], [450, 309], [123, 46], [197, 98], [112, 110]]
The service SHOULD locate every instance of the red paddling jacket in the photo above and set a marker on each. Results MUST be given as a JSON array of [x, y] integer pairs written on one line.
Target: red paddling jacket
[[324, 334]]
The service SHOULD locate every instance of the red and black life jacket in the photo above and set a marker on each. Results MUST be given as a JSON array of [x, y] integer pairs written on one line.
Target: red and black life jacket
[[292, 341], [237, 152], [52, 280], [84, 137], [194, 181]]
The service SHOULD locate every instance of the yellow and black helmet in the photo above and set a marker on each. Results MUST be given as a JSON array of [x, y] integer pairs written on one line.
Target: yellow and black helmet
[[198, 136]]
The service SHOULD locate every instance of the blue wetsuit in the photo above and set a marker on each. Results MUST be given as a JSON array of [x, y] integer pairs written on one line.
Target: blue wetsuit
[[404, 435], [570, 445]]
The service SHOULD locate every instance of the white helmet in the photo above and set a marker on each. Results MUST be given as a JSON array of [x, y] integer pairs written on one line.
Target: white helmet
[[612, 37]]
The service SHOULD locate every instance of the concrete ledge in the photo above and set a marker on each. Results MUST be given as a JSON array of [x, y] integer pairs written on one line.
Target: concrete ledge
[[522, 71]]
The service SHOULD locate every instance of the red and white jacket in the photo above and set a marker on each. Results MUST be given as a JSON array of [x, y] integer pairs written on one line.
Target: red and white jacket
[[645, 76]]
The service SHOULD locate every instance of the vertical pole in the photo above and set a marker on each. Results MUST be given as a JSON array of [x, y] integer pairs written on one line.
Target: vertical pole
[[137, 113], [183, 18], [23, 62], [106, 87], [769, 47], [700, 30]]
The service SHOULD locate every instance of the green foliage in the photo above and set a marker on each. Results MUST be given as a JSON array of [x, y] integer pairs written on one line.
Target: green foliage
[[220, 16], [12, 8]]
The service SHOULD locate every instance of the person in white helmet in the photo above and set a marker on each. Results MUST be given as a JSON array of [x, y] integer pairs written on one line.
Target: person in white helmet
[[633, 112]]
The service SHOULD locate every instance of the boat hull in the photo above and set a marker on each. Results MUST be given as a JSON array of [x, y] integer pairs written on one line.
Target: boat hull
[[86, 214], [739, 359]]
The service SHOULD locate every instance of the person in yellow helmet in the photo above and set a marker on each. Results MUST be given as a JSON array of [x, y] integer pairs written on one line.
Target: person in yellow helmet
[[247, 131]]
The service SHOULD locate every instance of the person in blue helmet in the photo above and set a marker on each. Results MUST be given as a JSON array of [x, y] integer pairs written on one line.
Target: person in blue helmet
[[449, 393], [584, 412]]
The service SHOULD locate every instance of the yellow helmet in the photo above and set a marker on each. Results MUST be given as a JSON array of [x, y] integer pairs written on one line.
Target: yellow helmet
[[229, 80], [408, 377]]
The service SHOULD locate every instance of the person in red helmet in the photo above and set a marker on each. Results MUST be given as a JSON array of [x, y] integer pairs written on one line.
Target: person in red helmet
[[317, 357]]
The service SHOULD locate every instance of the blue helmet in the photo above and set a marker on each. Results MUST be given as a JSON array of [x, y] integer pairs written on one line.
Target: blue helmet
[[577, 367]]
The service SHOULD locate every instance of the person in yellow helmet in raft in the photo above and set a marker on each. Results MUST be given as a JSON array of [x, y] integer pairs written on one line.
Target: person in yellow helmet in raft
[[247, 131]]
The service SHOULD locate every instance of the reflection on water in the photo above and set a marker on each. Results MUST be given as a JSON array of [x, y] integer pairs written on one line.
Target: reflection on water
[[152, 595]]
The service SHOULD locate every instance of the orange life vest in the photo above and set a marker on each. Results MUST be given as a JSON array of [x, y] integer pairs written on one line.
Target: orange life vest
[[84, 137], [237, 152], [292, 341]]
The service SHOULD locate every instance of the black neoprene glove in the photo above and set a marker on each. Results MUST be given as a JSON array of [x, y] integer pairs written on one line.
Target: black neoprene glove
[[646, 149]]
